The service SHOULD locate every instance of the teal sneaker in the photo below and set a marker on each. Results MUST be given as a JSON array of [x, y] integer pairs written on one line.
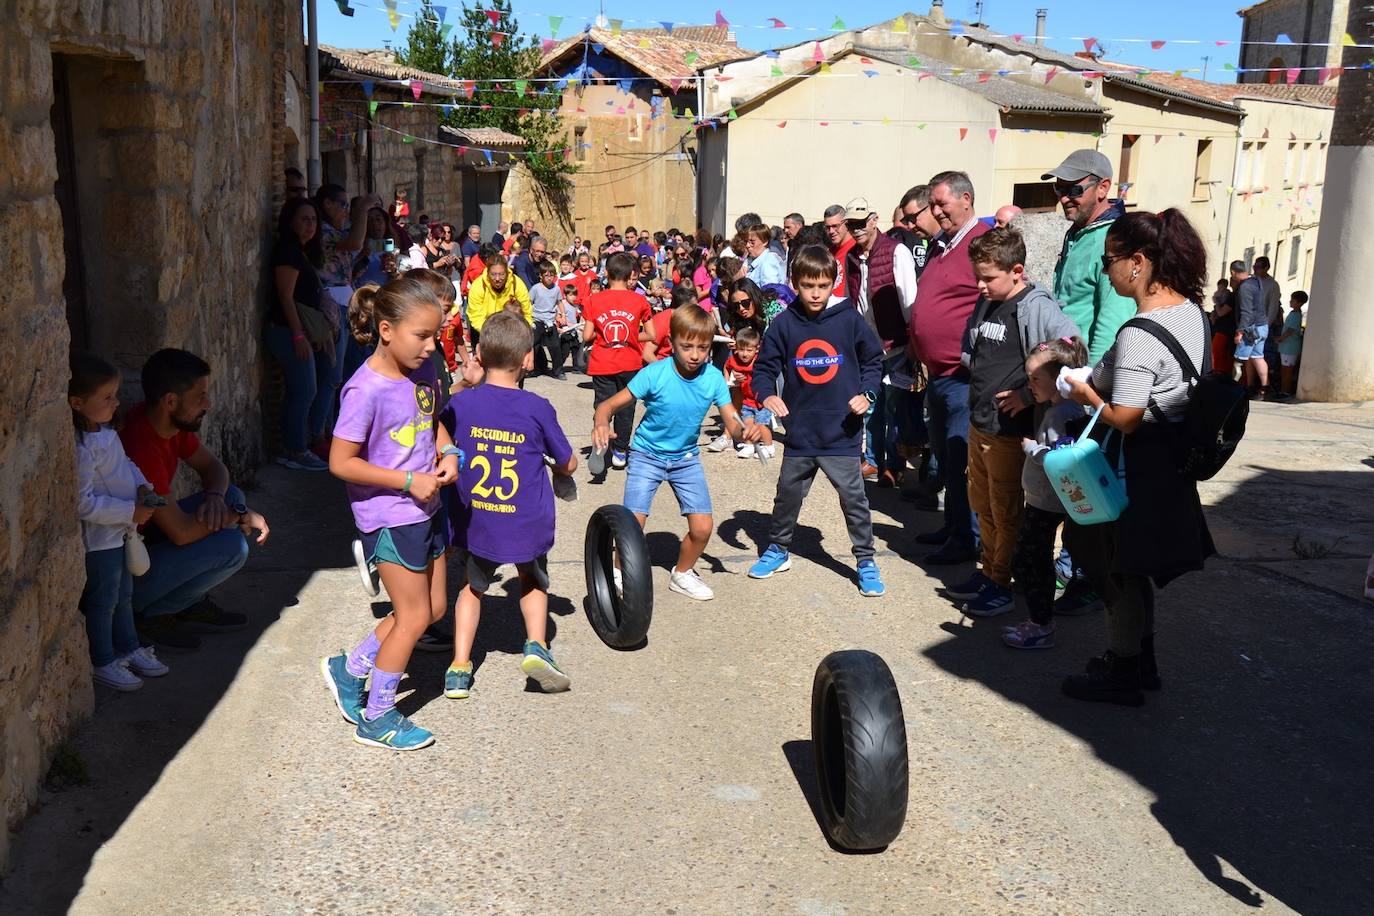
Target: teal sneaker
[[348, 691], [774, 560], [870, 582], [392, 731], [539, 664], [457, 684]]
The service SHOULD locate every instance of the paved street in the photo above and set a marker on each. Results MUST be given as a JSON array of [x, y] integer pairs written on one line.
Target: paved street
[[677, 778]]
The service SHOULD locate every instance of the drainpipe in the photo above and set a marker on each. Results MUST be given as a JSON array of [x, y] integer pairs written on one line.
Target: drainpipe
[[1231, 198], [312, 69], [1040, 15]]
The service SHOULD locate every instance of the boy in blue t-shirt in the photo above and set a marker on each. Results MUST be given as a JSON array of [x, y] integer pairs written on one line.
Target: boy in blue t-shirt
[[676, 394], [831, 362]]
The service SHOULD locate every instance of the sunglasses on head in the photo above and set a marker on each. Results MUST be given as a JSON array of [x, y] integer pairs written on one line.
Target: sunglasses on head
[[1064, 189]]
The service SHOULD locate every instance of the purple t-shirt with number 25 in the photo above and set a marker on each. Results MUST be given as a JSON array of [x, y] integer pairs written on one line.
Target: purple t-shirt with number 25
[[504, 512], [393, 419]]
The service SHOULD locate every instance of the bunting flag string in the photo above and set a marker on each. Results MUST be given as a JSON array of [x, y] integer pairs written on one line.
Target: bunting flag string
[[955, 27]]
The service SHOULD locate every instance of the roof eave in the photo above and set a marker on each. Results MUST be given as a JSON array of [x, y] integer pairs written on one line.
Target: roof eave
[[1196, 101]]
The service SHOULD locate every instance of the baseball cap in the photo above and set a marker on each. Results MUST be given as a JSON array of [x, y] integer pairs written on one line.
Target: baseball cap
[[857, 209], [1080, 164]]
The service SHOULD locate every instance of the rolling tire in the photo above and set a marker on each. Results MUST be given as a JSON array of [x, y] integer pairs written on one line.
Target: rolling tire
[[858, 738], [621, 620]]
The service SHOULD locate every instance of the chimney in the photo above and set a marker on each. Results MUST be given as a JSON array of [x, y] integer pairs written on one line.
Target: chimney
[[1040, 15], [937, 12]]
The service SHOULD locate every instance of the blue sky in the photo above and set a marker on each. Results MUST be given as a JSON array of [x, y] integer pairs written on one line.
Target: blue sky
[[1171, 21]]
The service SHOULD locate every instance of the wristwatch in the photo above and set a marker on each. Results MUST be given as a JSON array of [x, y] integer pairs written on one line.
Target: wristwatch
[[241, 509]]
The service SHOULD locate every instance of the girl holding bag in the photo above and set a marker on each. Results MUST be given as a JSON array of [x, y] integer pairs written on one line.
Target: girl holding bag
[[113, 496]]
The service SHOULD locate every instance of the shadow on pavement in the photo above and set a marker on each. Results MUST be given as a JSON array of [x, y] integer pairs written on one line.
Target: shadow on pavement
[[1258, 748], [807, 542]]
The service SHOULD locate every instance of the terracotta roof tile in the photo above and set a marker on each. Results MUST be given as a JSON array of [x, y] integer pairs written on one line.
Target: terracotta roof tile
[[381, 63], [666, 57]]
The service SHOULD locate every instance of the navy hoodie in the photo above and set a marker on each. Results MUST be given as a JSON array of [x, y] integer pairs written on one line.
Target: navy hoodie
[[825, 362]]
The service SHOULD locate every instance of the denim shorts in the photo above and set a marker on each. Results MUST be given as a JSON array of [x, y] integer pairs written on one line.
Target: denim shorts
[[685, 475], [1252, 340], [758, 414], [412, 546]]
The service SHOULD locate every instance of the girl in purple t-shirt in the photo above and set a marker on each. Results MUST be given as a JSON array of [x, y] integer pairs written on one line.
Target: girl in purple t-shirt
[[394, 458]]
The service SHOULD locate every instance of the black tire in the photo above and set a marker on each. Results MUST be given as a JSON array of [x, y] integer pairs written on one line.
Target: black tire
[[858, 738], [622, 621]]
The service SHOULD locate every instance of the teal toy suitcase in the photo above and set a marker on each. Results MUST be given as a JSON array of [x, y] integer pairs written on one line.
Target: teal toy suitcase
[[1090, 489]]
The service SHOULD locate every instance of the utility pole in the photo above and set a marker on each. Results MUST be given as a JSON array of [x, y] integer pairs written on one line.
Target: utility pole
[[1205, 60], [1337, 363]]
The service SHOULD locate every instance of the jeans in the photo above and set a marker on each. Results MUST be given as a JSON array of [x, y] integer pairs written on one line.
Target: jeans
[[309, 389], [885, 425], [340, 295], [684, 475], [107, 603], [947, 402], [605, 387], [794, 482], [181, 576]]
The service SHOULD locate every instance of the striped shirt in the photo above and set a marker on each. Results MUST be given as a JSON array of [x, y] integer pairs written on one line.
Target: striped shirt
[[1139, 370]]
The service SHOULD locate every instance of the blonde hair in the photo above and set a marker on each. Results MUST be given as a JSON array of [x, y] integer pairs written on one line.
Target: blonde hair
[[373, 304], [691, 322]]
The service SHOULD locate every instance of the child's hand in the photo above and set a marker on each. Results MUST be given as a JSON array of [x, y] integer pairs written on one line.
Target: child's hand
[[448, 470], [776, 405], [602, 436], [753, 432], [859, 405], [424, 486], [473, 373], [1010, 403], [142, 513]]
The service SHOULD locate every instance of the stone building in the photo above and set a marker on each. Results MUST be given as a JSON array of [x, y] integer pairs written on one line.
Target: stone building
[[141, 152], [624, 98], [1314, 28]]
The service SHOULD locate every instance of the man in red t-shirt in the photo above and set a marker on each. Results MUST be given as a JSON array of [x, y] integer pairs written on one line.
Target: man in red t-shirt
[[616, 322], [840, 243], [198, 542]]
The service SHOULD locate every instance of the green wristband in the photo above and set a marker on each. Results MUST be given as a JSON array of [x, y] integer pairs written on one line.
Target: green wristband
[[410, 478]]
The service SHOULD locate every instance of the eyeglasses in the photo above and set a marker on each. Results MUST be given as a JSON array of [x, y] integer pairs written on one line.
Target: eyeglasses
[[1063, 189], [910, 219], [1109, 260], [856, 225]]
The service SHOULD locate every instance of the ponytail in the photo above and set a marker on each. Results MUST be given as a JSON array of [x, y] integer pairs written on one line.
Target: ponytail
[[370, 305], [1061, 353], [1178, 259]]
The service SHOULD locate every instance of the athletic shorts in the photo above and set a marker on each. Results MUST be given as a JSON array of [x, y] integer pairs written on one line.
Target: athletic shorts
[[478, 572], [412, 546], [761, 415], [1252, 340], [685, 475]]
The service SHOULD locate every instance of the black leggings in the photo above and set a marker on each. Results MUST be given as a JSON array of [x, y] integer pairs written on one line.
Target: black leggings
[[1032, 565], [605, 387]]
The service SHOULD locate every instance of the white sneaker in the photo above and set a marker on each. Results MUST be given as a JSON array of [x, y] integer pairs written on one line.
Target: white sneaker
[[143, 662], [689, 583], [745, 451], [366, 571], [719, 444], [619, 586], [766, 452], [116, 675], [776, 426]]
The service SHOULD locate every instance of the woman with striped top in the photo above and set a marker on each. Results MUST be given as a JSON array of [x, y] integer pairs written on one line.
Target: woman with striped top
[[1159, 261]]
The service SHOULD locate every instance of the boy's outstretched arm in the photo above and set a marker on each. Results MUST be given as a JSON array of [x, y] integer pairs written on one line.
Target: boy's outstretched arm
[[767, 367], [601, 421], [738, 429]]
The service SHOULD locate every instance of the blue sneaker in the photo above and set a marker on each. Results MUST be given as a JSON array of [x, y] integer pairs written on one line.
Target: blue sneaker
[[774, 560], [991, 602], [392, 731], [539, 664], [347, 690], [870, 583], [970, 588], [457, 683]]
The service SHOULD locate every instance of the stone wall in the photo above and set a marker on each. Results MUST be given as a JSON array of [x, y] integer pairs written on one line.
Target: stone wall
[[1315, 26], [172, 108]]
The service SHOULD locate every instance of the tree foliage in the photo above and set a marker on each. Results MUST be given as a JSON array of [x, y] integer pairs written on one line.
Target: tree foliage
[[495, 54]]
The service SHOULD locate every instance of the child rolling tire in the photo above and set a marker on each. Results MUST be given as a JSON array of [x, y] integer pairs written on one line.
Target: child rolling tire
[[619, 613], [858, 738]]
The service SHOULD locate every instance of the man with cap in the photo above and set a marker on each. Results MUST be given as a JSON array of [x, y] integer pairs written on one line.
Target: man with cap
[[1082, 183], [880, 279]]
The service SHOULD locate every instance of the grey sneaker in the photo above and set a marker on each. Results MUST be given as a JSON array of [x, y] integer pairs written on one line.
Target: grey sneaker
[[596, 462], [565, 488]]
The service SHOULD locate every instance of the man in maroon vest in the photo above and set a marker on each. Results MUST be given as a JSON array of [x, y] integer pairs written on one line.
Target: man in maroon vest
[[880, 279]]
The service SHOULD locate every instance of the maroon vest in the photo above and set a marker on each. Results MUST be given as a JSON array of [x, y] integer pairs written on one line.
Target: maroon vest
[[883, 296]]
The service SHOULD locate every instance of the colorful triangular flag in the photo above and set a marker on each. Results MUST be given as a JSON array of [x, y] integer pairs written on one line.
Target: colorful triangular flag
[[494, 16], [416, 87], [497, 38], [963, 132], [1156, 45], [838, 25], [721, 22], [554, 23], [777, 24]]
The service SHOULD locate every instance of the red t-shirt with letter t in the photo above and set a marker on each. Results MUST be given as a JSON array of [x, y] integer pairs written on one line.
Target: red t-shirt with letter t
[[618, 315]]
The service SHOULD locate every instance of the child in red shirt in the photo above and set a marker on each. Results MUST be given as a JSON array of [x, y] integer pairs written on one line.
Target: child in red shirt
[[616, 323], [739, 372]]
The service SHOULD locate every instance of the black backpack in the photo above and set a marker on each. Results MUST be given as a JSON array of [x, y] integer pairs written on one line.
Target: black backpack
[[1217, 408]]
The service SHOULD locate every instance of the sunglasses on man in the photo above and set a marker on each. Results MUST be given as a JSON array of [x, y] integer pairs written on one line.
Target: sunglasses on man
[[1064, 189], [910, 219]]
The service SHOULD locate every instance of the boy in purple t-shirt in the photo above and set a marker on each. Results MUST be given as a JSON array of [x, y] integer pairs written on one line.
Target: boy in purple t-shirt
[[504, 513]]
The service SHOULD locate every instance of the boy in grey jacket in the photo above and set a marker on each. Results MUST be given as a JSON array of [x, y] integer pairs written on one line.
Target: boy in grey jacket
[[1011, 317]]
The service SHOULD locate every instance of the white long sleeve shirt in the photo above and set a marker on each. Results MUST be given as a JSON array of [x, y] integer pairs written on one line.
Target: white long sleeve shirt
[[107, 489], [903, 276]]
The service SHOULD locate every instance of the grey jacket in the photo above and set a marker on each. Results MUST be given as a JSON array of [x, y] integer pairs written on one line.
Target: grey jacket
[[1040, 492], [1039, 315]]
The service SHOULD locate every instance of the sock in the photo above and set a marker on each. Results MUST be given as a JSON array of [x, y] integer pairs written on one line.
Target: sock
[[465, 667], [363, 656], [535, 642], [381, 695]]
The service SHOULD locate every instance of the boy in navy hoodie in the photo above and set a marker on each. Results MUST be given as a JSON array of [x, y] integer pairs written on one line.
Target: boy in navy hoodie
[[832, 362]]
